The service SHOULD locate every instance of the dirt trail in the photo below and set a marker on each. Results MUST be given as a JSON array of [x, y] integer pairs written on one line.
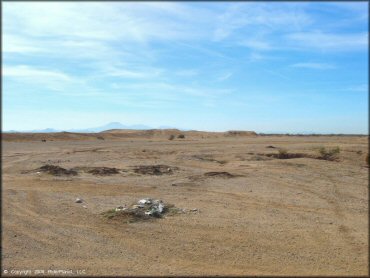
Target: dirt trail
[[254, 217]]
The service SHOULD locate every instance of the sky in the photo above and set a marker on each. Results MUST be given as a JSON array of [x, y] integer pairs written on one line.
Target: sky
[[288, 67]]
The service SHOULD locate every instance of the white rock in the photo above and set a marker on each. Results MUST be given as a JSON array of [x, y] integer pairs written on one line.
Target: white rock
[[120, 208], [145, 201], [160, 207]]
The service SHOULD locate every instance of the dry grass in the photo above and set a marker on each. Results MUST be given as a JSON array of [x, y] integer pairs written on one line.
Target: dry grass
[[329, 154]]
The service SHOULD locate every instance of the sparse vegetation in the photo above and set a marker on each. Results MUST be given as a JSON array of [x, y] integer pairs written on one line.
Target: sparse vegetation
[[181, 136], [154, 169], [56, 170], [109, 213], [283, 154], [103, 171], [171, 137], [207, 157], [329, 154]]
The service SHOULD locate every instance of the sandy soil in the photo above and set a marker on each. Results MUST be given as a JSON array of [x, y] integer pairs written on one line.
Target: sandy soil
[[301, 216]]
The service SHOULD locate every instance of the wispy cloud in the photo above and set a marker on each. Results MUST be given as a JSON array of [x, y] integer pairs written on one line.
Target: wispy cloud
[[187, 72], [358, 88], [175, 55], [23, 71], [128, 71], [225, 76], [277, 73], [261, 16], [256, 44], [318, 66], [40, 80], [329, 41], [20, 45]]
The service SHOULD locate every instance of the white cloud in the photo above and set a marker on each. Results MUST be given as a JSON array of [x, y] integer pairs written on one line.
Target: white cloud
[[107, 39], [260, 18], [319, 66], [137, 22], [329, 41], [129, 72], [257, 44], [42, 80], [24, 71], [18, 44]]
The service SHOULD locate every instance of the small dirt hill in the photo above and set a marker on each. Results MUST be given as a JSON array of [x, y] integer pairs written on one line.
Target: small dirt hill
[[117, 134]]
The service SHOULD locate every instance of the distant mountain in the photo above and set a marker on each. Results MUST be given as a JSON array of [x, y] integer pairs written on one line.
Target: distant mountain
[[46, 130], [112, 125]]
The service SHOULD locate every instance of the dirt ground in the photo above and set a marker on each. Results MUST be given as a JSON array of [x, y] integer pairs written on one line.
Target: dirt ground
[[257, 214]]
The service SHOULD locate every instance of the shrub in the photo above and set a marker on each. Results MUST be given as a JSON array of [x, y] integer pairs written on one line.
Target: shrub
[[171, 137], [331, 154], [182, 136], [283, 154]]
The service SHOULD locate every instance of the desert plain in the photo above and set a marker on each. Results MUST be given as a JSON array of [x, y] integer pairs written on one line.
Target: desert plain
[[245, 210]]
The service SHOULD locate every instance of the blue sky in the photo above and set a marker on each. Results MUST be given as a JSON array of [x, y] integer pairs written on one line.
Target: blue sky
[[267, 67]]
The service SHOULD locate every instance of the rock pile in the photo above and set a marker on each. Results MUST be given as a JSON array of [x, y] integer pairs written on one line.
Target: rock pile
[[144, 209]]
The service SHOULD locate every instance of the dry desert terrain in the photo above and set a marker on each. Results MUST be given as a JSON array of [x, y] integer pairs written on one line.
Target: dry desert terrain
[[246, 212]]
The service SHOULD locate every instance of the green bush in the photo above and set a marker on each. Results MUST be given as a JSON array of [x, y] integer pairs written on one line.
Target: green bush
[[330, 154]]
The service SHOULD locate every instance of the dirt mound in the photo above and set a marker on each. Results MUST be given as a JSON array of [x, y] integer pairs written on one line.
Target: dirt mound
[[220, 174], [53, 136], [103, 171], [154, 169], [57, 171]]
